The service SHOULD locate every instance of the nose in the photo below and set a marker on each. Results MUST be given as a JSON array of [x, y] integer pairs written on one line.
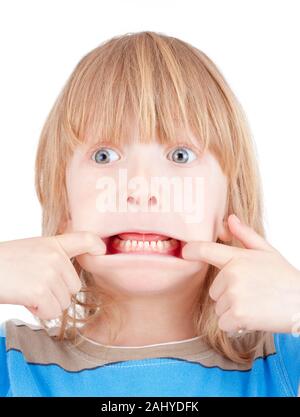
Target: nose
[[139, 198], [140, 172]]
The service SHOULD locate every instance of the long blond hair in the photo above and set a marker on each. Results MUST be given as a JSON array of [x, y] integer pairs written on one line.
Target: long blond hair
[[165, 83]]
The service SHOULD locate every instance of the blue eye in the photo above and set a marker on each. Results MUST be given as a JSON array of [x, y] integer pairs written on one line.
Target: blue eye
[[182, 154], [103, 156]]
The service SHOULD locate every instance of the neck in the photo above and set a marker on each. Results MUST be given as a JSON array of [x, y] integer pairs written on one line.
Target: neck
[[147, 320]]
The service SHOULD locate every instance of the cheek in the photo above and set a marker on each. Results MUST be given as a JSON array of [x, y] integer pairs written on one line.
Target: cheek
[[215, 203], [82, 197], [211, 204]]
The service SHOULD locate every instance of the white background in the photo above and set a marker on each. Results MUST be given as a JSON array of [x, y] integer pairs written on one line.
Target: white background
[[255, 44]]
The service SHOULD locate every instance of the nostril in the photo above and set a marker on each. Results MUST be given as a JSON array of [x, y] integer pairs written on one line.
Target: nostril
[[130, 200], [153, 200]]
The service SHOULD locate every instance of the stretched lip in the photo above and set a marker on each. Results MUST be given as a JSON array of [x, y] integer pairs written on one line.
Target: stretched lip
[[145, 232], [155, 235]]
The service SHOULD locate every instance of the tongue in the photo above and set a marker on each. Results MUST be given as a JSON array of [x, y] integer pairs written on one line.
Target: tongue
[[142, 236]]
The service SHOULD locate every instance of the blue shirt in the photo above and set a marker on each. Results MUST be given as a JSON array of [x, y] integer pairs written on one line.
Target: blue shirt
[[33, 363]]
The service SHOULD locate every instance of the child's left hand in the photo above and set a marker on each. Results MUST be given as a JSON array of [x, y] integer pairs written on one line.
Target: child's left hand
[[256, 288]]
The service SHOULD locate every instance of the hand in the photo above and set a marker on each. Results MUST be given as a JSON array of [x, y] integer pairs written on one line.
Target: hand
[[256, 288], [38, 274]]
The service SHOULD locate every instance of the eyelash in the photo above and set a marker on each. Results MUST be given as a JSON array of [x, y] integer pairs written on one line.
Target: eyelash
[[95, 150]]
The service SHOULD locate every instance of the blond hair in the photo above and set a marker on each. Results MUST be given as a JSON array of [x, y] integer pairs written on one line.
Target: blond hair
[[165, 84]]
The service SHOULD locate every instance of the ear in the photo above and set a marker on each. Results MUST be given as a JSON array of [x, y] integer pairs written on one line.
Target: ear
[[224, 232]]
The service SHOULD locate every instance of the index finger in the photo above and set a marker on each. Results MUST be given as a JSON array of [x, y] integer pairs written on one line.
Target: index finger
[[77, 243], [214, 253]]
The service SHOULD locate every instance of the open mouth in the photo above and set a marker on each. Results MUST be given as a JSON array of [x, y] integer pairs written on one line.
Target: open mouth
[[143, 244]]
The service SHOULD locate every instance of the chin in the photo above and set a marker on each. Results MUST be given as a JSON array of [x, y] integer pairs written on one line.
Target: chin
[[142, 274]]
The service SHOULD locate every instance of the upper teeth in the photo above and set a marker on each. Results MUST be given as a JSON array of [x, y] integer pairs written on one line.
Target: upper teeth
[[139, 244]]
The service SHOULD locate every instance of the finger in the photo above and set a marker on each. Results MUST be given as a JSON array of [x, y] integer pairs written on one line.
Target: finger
[[31, 309], [50, 307], [77, 243], [228, 323], [62, 293], [69, 273], [219, 286], [222, 305], [71, 278], [247, 235], [217, 254]]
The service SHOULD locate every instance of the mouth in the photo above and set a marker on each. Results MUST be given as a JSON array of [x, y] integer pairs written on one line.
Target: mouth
[[143, 243]]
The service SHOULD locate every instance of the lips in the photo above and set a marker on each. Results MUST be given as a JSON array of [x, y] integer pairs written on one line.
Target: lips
[[143, 243]]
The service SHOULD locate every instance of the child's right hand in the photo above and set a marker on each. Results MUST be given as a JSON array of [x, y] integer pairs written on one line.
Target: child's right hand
[[37, 272]]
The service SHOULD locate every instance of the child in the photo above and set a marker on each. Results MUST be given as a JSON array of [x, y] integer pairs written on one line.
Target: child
[[198, 306]]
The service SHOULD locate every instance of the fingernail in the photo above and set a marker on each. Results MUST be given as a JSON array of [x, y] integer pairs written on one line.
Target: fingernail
[[236, 218]]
